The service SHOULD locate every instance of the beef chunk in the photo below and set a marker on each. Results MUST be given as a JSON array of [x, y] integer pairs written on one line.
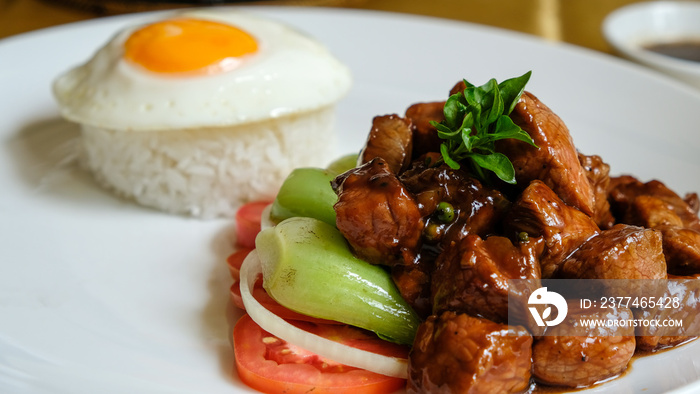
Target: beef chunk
[[477, 208], [651, 212], [652, 343], [413, 282], [650, 204], [390, 139], [623, 252], [693, 202], [684, 289], [653, 205], [567, 356], [555, 162], [540, 213], [598, 174], [425, 138], [458, 87], [681, 249], [457, 353], [377, 215], [472, 275]]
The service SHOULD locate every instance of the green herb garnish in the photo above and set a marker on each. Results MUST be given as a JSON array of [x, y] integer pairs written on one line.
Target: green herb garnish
[[478, 117]]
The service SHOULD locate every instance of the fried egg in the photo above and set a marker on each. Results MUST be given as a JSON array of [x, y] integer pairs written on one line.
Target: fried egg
[[201, 68]]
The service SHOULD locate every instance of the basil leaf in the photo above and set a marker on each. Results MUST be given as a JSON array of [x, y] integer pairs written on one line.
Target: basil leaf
[[468, 139], [475, 119], [454, 110], [468, 121], [446, 157], [446, 133], [512, 89], [467, 84], [498, 163], [507, 129], [495, 105], [474, 97]]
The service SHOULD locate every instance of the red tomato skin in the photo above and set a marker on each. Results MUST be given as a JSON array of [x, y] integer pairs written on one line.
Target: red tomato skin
[[236, 295], [269, 377], [248, 219], [234, 262]]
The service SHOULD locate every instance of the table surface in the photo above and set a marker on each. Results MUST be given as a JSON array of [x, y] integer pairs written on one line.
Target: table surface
[[574, 21]]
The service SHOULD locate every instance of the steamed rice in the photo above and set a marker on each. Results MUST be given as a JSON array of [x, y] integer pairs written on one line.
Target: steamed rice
[[208, 172]]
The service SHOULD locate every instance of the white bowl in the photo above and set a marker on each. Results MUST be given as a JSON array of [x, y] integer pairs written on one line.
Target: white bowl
[[631, 28]]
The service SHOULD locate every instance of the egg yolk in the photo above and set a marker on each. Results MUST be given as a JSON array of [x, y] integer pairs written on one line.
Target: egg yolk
[[188, 45]]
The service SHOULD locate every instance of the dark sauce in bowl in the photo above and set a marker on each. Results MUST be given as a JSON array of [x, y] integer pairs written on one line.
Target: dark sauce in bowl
[[686, 50]]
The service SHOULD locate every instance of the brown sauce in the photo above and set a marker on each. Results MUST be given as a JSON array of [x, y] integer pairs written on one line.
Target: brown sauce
[[686, 50]]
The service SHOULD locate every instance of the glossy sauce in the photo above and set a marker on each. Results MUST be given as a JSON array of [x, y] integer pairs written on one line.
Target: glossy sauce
[[686, 50]]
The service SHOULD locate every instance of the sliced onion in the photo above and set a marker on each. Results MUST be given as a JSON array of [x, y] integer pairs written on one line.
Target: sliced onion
[[266, 219], [275, 325]]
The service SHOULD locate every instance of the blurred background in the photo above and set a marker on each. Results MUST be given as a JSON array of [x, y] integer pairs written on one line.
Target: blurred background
[[574, 21]]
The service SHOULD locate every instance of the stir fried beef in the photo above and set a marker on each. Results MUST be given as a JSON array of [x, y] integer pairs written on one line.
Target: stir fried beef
[[458, 87], [471, 209], [413, 282], [651, 343], [693, 201], [457, 353], [681, 249], [555, 162], [425, 139], [623, 252], [377, 215], [598, 174], [472, 275], [390, 139], [477, 209], [654, 205], [562, 359], [474, 209], [539, 212], [453, 242], [685, 289], [652, 212], [650, 204]]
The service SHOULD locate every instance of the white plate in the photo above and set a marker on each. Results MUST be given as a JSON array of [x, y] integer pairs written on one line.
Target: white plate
[[98, 295]]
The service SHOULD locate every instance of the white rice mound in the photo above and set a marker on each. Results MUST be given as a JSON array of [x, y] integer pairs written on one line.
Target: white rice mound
[[210, 172]]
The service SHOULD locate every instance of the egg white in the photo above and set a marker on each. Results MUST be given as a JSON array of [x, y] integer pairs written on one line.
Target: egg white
[[290, 73]]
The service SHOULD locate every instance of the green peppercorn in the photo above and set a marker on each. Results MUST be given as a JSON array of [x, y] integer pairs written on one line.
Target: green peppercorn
[[523, 236], [445, 212], [431, 232]]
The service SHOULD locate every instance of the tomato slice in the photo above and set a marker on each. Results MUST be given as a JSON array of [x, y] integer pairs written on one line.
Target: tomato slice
[[248, 219], [234, 262], [271, 365]]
